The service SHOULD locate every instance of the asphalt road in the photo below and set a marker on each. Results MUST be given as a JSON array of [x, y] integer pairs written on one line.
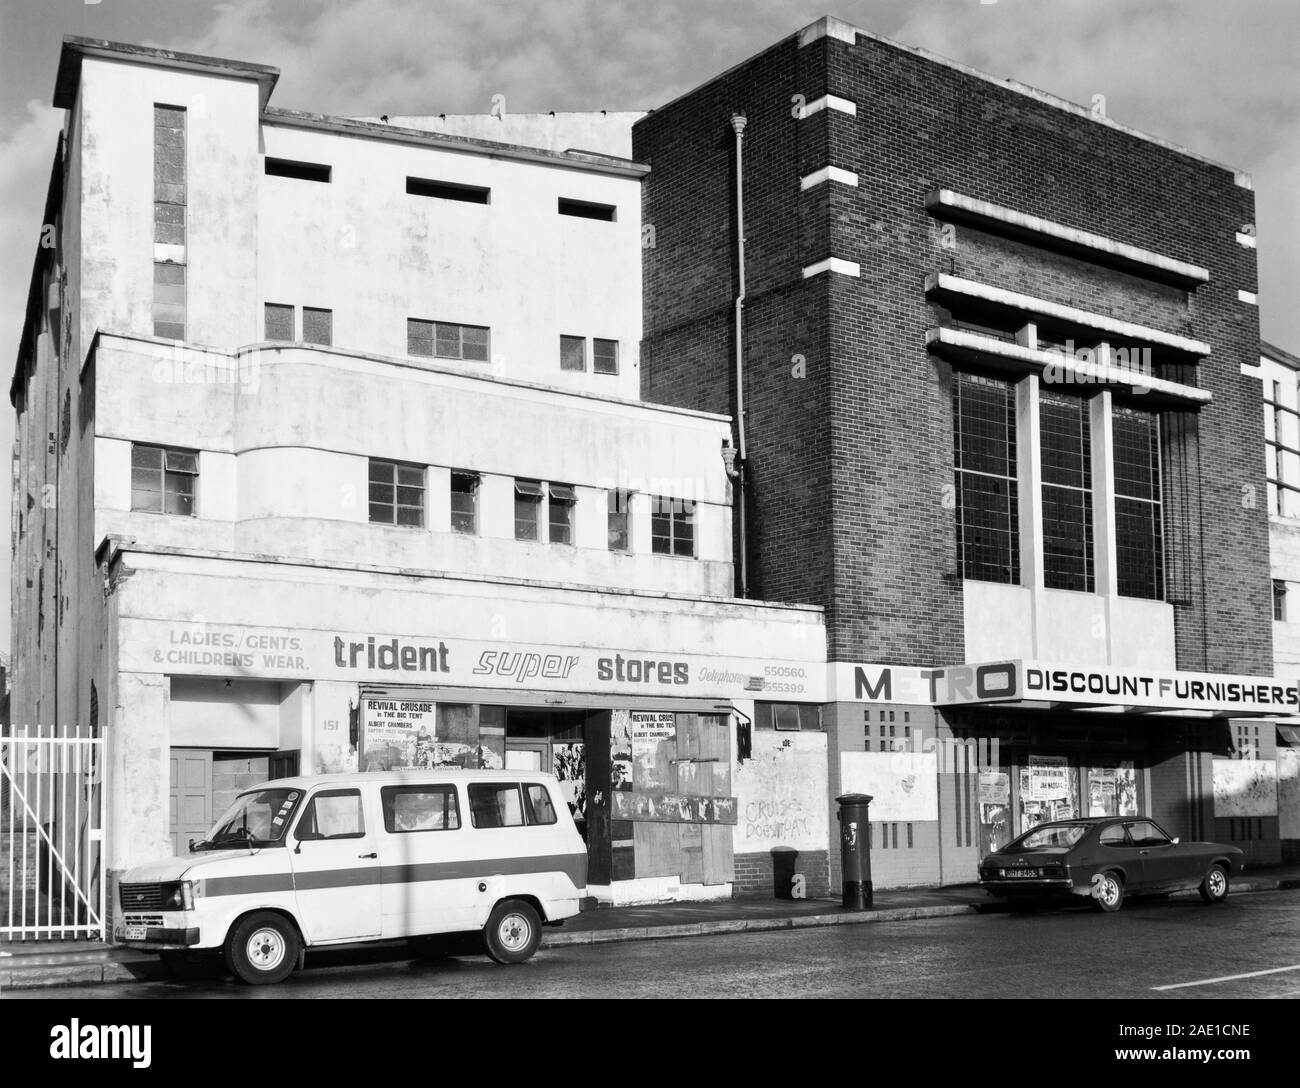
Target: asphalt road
[[1199, 950]]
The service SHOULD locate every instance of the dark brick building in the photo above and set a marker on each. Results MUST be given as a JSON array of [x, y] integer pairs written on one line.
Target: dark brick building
[[994, 412]]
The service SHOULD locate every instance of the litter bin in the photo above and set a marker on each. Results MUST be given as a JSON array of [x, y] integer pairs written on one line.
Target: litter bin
[[855, 853]]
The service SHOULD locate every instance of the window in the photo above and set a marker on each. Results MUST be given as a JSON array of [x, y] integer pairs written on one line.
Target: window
[[620, 521], [586, 209], [162, 480], [464, 502], [169, 300], [396, 494], [496, 805], [444, 340], [787, 717], [1145, 833], [448, 190], [169, 219], [279, 321], [1139, 537], [333, 814], [562, 501], [419, 808], [1282, 451], [604, 356], [537, 804], [573, 353], [672, 526], [1279, 600], [1066, 447], [984, 460], [317, 326], [528, 501], [300, 171]]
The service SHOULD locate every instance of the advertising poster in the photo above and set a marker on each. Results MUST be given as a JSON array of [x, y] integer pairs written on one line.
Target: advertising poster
[[620, 750], [1048, 791], [995, 809], [904, 785], [1245, 787], [569, 764], [397, 733], [654, 743]]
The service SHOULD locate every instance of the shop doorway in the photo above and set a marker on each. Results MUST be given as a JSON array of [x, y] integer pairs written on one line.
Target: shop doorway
[[553, 741]]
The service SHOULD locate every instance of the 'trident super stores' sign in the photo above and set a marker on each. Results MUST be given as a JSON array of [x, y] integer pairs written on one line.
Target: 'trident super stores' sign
[[1037, 681]]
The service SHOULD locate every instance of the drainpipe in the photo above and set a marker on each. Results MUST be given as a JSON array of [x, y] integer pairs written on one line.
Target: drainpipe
[[738, 125]]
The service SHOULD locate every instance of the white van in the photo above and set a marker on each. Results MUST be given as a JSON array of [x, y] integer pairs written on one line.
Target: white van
[[332, 859]]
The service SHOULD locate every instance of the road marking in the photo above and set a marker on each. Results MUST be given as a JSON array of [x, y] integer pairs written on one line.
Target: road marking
[[1228, 978]]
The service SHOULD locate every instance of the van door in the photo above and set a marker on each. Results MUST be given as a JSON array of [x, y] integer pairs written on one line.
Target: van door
[[336, 867], [430, 871]]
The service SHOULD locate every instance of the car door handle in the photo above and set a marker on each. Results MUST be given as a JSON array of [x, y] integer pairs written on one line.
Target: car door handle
[[372, 854]]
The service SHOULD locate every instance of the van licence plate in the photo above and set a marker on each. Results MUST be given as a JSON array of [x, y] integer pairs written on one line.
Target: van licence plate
[[136, 933]]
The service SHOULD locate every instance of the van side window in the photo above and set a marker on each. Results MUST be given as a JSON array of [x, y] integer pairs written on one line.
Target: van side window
[[420, 808], [537, 804], [333, 814], [496, 804]]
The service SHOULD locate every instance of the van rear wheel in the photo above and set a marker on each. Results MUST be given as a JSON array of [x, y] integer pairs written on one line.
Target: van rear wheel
[[513, 932], [262, 948]]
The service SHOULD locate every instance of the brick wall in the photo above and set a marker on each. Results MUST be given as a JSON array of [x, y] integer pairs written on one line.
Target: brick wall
[[767, 875], [849, 464]]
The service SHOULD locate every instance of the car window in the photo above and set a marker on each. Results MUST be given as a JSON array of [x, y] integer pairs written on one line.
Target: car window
[[537, 803], [333, 814], [1113, 836], [1059, 835], [420, 808], [496, 805], [1145, 833]]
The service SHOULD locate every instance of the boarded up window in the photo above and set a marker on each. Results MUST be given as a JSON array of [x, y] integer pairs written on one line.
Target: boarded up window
[[279, 321], [317, 326]]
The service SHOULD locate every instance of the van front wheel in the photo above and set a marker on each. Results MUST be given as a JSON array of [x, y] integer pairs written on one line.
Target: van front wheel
[[513, 932], [262, 948]]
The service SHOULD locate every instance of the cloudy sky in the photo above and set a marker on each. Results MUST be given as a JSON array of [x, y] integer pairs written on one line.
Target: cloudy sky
[[1217, 76]]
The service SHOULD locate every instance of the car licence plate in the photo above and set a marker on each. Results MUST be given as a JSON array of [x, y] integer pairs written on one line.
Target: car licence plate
[[136, 933], [1015, 874]]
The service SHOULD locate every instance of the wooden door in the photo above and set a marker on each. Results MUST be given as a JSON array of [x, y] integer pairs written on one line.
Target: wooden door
[[190, 799]]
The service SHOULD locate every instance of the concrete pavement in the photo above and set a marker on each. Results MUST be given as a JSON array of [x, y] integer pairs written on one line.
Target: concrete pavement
[[38, 965]]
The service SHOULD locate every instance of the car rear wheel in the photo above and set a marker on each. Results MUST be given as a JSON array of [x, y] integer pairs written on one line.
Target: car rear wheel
[[513, 932], [1108, 892], [1214, 888], [262, 948]]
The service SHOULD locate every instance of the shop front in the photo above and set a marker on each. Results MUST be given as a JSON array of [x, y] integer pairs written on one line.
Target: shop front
[[964, 758]]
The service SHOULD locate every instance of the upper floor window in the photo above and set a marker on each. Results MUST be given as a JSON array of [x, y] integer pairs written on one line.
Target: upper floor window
[[317, 326], [790, 717], [587, 209], [448, 190], [604, 356], [672, 526], [573, 353], [528, 503], [620, 520], [279, 321], [987, 499], [562, 502], [163, 480], [301, 171], [1279, 600], [1139, 536], [444, 340], [1066, 450], [396, 493], [1282, 452], [464, 502]]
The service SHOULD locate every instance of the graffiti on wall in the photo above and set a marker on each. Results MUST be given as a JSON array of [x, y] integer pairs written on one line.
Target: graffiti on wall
[[781, 793]]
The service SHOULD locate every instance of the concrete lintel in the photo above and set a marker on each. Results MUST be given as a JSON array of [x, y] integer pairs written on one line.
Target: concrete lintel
[[832, 264], [828, 173]]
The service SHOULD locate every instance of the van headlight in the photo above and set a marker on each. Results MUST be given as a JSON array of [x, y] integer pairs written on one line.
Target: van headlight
[[181, 894]]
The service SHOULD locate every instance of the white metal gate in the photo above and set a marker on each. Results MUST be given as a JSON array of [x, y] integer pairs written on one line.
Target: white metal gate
[[51, 835]]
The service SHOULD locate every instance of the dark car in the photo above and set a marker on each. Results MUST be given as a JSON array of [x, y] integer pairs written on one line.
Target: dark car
[[1105, 858]]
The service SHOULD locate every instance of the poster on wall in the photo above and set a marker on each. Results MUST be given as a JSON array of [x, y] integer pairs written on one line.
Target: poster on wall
[[1048, 791], [397, 733], [995, 809], [620, 750], [904, 785], [673, 808], [654, 744], [569, 764], [781, 791], [1245, 787]]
